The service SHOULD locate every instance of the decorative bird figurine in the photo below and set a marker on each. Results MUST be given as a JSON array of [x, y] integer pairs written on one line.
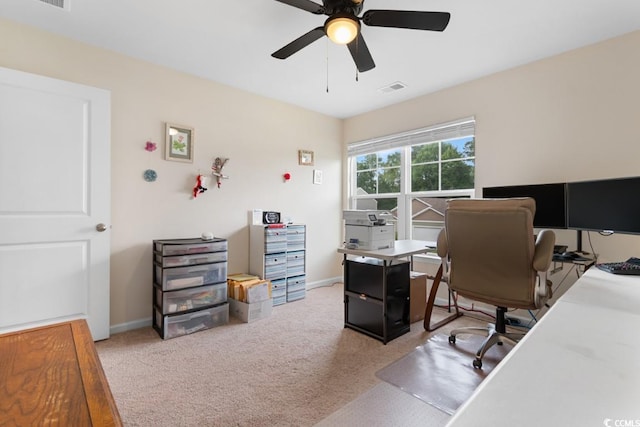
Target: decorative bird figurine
[[217, 166]]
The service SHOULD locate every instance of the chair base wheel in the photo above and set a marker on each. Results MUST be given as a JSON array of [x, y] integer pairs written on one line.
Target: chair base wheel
[[477, 363], [452, 339]]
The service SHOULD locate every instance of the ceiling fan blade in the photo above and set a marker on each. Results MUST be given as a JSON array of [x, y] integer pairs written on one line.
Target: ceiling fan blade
[[307, 5], [361, 55], [299, 43], [432, 21]]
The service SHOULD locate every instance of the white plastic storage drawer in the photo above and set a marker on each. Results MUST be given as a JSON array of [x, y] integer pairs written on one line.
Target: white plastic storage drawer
[[189, 246], [184, 260], [279, 291], [188, 323], [275, 266], [295, 263], [295, 237], [296, 288], [275, 240], [189, 299], [188, 277]]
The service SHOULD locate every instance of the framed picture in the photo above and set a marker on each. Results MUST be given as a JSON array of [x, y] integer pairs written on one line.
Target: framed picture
[[305, 157], [178, 143]]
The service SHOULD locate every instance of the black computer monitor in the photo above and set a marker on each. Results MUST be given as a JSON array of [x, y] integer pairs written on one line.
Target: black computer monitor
[[550, 200], [610, 205]]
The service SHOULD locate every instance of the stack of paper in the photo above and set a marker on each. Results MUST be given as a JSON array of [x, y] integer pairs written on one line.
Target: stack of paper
[[248, 288]]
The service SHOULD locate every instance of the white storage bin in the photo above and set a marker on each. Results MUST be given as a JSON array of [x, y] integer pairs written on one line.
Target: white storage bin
[[295, 263], [275, 266], [296, 288], [279, 291], [275, 240], [295, 237]]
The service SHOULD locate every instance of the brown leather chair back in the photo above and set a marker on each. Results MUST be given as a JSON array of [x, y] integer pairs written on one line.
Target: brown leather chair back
[[493, 257]]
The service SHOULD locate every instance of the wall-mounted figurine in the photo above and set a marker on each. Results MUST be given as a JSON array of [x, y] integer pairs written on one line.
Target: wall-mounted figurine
[[201, 185], [217, 166]]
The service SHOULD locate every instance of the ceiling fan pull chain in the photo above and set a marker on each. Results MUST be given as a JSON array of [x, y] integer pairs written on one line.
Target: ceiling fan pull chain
[[357, 49], [327, 65]]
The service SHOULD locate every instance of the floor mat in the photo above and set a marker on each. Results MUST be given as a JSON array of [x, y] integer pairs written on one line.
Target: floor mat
[[442, 374]]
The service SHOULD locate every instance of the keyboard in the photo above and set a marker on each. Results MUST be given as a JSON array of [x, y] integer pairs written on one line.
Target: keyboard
[[630, 266]]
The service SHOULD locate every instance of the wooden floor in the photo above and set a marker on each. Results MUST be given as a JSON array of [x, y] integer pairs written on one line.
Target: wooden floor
[[52, 376]]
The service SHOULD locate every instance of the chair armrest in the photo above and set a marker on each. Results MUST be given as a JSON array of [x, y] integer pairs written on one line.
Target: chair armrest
[[544, 250], [442, 247]]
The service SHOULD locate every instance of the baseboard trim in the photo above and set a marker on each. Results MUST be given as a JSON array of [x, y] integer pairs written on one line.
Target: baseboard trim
[[326, 282], [130, 326], [146, 322]]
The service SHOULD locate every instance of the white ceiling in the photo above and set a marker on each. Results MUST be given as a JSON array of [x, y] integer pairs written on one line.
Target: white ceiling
[[231, 42]]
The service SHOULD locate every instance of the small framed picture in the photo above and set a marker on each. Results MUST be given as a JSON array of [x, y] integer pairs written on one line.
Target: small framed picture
[[317, 176], [178, 143], [305, 157]]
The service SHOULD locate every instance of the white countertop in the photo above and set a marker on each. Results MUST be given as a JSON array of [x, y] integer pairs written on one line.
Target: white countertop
[[579, 366]]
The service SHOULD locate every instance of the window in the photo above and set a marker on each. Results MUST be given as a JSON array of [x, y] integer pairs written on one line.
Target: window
[[412, 175]]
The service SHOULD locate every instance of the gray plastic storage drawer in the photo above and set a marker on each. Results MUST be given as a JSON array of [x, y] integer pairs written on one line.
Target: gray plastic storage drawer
[[184, 260], [190, 299], [183, 324], [189, 277], [189, 246]]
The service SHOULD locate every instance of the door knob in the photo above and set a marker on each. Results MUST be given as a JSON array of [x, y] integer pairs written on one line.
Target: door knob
[[101, 227]]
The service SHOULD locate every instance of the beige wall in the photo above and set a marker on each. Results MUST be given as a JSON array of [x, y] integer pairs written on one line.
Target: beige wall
[[567, 118], [570, 117], [260, 136]]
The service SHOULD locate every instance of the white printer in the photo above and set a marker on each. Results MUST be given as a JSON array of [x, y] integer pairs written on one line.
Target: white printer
[[368, 229]]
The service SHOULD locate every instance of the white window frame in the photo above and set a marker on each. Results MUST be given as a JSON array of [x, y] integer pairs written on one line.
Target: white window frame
[[436, 133]]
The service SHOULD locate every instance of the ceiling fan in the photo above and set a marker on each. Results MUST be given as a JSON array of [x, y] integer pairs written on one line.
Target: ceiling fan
[[343, 26]]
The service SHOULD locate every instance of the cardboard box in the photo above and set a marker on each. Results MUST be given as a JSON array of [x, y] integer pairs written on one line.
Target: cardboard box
[[417, 296], [250, 312]]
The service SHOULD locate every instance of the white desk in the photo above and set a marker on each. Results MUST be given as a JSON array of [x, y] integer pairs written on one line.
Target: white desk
[[579, 366], [401, 249]]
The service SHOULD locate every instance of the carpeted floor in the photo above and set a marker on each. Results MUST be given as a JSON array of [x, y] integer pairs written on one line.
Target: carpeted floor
[[292, 369]]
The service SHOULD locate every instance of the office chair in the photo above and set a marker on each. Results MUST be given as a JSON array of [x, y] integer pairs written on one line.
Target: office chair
[[489, 255]]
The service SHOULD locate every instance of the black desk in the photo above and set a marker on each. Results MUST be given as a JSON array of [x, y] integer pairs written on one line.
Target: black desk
[[581, 264], [376, 288]]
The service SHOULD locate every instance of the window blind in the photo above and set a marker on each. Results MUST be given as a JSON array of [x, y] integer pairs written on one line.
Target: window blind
[[440, 132]]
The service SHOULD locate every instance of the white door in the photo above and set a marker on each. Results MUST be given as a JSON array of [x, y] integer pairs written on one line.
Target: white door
[[54, 193]]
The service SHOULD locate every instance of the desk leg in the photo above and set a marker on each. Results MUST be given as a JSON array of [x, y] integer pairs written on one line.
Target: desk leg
[[428, 326]]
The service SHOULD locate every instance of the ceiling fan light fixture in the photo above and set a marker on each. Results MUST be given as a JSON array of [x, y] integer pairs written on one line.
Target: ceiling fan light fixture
[[341, 29]]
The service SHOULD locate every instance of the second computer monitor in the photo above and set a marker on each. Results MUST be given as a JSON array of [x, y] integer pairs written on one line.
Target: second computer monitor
[[551, 211]]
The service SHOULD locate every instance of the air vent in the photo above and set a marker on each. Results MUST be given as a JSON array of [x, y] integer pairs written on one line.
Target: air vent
[[392, 87], [56, 3]]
